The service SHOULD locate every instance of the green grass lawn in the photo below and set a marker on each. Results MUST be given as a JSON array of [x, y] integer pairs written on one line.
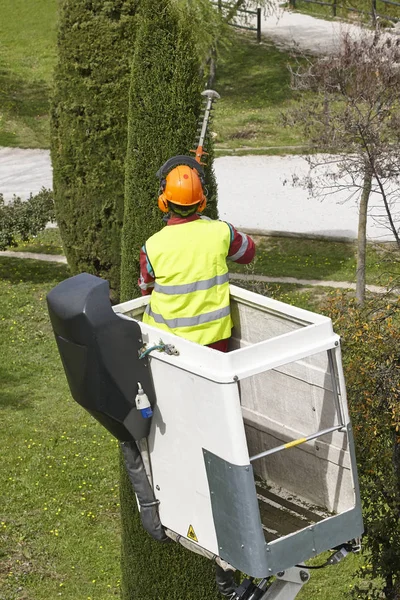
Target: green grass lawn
[[59, 499], [322, 260], [283, 257], [27, 59], [254, 83], [252, 78]]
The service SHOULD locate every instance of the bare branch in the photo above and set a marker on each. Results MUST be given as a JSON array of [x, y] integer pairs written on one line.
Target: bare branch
[[351, 111]]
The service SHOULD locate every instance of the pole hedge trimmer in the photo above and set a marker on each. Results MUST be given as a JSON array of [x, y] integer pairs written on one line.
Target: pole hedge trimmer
[[182, 159], [210, 97]]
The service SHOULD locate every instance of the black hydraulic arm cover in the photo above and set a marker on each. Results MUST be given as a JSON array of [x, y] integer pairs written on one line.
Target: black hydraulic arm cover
[[100, 355]]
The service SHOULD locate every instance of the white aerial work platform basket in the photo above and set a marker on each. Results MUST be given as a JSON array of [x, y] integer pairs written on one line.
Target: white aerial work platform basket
[[251, 452]]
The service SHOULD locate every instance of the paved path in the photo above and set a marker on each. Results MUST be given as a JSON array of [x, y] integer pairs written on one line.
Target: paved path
[[58, 258], [293, 31], [255, 193], [251, 189], [24, 171], [347, 285]]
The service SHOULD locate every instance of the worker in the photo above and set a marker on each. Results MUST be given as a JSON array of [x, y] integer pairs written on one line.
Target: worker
[[184, 266]]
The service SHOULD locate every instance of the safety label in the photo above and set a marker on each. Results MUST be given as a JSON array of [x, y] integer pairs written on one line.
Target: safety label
[[191, 534]]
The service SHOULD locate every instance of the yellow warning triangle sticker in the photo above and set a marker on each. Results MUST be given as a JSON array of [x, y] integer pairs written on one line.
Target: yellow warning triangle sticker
[[191, 534]]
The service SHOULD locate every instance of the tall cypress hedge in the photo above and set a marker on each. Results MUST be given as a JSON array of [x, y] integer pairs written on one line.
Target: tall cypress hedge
[[164, 107], [158, 570], [89, 130], [165, 104]]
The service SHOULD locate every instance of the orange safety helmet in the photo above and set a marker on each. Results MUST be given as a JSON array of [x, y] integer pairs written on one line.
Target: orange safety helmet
[[182, 186]]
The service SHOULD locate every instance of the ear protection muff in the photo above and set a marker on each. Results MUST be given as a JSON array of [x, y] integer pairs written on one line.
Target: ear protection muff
[[163, 203], [175, 161], [202, 204]]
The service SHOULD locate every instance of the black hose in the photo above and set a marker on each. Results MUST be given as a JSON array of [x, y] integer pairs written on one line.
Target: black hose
[[143, 490]]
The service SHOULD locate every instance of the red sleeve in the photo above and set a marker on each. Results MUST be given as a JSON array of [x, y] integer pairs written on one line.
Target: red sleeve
[[147, 279], [242, 248]]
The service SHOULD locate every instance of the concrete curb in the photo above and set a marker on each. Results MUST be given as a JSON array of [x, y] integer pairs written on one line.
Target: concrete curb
[[309, 282], [58, 258], [299, 236]]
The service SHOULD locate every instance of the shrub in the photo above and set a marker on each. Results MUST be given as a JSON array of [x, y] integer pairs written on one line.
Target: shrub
[[21, 219], [371, 342], [89, 130]]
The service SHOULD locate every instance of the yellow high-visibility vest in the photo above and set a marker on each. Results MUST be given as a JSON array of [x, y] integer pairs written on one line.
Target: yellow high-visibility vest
[[191, 291]]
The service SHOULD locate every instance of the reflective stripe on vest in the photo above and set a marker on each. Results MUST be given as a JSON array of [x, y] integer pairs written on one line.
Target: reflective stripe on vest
[[191, 292], [189, 321], [187, 288]]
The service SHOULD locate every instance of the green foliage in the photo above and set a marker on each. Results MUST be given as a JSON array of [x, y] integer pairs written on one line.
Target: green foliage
[[371, 341], [242, 119], [209, 28], [89, 130], [158, 570], [47, 241], [19, 219], [165, 104]]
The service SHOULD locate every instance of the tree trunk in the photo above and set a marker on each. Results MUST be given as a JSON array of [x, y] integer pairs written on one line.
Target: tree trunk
[[362, 238], [389, 590], [212, 68]]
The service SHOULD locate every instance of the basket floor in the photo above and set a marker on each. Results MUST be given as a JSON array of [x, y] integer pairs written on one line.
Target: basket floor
[[283, 513]]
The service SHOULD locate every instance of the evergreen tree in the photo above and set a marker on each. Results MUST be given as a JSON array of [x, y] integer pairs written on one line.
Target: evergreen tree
[[89, 130], [158, 570], [164, 107], [165, 104]]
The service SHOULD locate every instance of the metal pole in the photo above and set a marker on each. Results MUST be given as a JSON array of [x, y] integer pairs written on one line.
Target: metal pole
[[210, 96], [297, 442], [287, 584], [258, 25], [335, 386]]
